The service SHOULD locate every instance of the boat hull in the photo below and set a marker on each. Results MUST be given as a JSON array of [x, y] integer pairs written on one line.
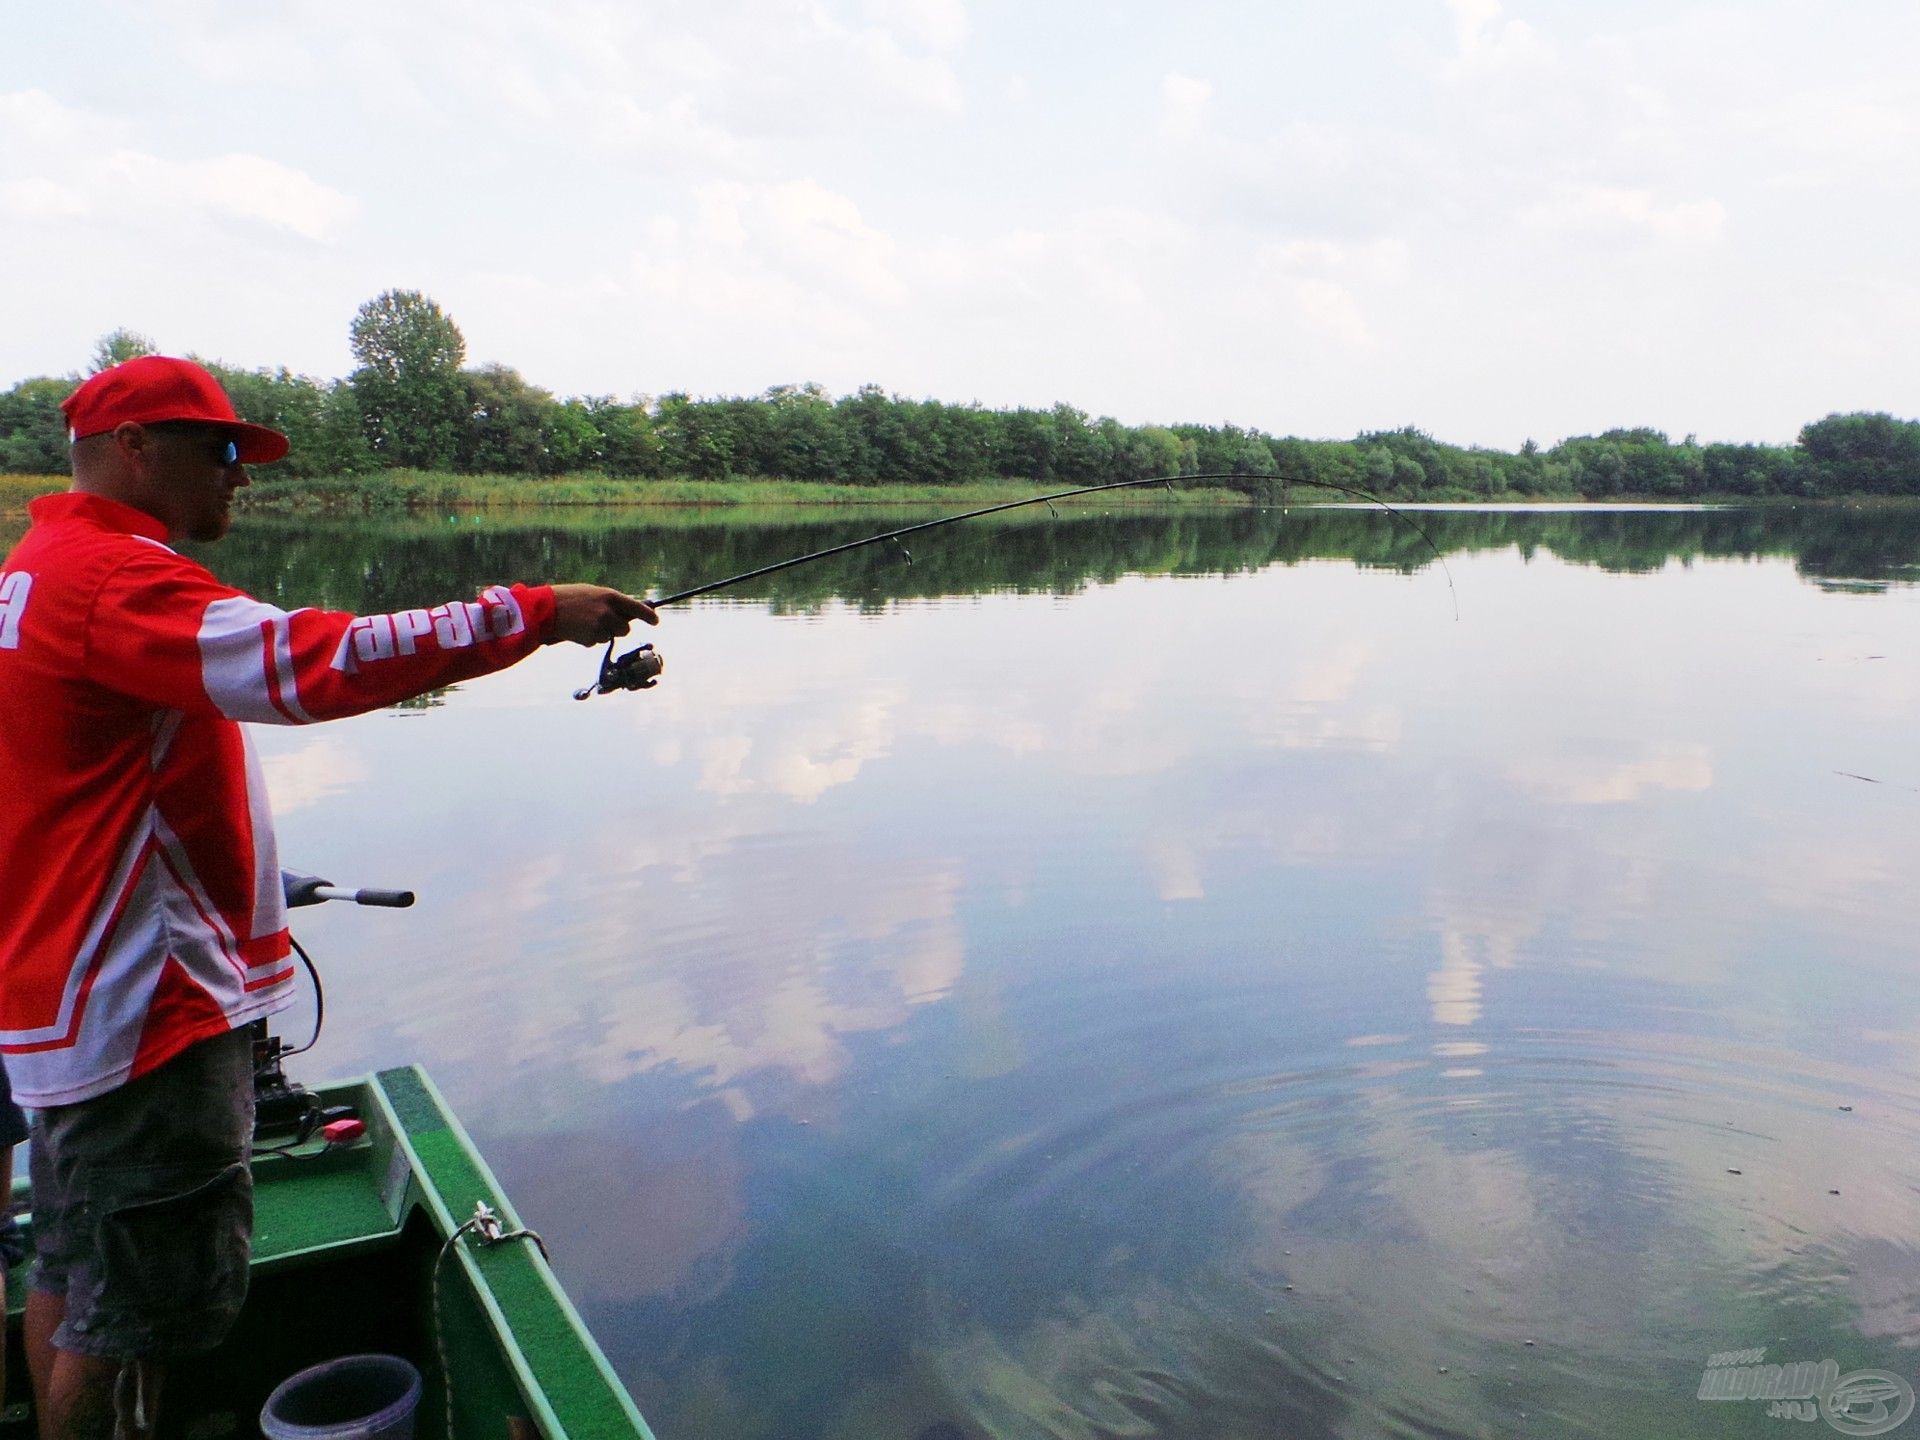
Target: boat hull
[[352, 1255]]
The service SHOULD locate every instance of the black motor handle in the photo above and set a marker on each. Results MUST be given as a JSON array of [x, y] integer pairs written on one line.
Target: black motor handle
[[393, 899], [312, 890]]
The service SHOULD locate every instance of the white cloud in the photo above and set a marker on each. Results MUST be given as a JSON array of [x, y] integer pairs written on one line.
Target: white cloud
[[784, 1012], [41, 138], [1331, 310], [245, 187], [1322, 285], [32, 120], [1853, 135], [825, 232], [1471, 19], [1617, 210], [792, 259], [1483, 41], [671, 131], [1385, 261], [39, 198], [1183, 102], [1581, 780], [801, 762], [1175, 864], [919, 79], [311, 773], [932, 24]]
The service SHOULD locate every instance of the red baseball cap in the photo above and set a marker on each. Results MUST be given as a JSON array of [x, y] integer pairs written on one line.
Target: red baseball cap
[[156, 388]]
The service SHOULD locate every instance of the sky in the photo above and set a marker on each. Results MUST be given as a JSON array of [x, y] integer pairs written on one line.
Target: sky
[[1494, 220]]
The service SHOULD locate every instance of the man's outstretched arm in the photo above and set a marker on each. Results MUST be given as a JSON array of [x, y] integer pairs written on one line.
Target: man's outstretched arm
[[165, 630]]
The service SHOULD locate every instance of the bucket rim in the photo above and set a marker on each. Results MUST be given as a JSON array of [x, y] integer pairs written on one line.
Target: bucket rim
[[396, 1366]]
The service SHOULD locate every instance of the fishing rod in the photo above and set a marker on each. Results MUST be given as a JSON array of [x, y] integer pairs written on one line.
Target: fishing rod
[[640, 669]]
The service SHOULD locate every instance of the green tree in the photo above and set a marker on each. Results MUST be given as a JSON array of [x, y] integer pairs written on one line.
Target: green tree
[[1149, 450], [408, 386], [806, 444], [505, 425], [626, 444], [1304, 462], [880, 445], [1131, 454], [748, 425], [1026, 444], [318, 417], [1078, 456], [1229, 450], [1749, 469], [695, 439], [33, 432], [1863, 454], [118, 345], [570, 437]]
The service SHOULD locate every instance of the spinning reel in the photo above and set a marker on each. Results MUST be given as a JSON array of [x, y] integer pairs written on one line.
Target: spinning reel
[[638, 669]]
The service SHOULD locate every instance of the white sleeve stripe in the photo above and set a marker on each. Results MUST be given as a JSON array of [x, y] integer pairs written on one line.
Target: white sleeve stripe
[[232, 659], [283, 662]]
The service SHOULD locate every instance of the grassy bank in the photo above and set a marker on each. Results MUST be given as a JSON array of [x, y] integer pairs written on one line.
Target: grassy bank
[[17, 490], [422, 490], [398, 492]]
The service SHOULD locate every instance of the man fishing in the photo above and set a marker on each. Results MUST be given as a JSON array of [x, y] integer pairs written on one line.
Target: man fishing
[[142, 925]]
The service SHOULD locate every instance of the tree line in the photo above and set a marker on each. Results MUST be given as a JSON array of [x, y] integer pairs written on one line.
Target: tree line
[[411, 403]]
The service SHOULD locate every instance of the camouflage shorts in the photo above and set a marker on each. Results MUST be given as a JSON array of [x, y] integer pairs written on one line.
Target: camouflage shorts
[[143, 1206]]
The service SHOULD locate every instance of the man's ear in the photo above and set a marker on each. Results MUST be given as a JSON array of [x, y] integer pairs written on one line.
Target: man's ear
[[133, 438]]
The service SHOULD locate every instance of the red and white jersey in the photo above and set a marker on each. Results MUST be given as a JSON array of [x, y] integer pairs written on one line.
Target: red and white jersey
[[140, 901]]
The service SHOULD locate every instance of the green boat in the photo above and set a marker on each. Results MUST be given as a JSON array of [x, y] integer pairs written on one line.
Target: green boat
[[397, 1240]]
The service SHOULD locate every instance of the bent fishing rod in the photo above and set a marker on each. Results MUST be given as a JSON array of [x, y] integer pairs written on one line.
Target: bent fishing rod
[[640, 669]]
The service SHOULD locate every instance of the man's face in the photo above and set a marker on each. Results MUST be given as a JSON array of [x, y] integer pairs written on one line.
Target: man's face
[[193, 478]]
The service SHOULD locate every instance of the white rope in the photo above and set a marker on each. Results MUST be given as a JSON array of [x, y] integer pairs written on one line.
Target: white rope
[[485, 1224], [130, 1420]]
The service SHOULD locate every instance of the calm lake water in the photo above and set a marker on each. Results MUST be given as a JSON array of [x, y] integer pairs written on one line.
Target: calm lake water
[[1160, 974]]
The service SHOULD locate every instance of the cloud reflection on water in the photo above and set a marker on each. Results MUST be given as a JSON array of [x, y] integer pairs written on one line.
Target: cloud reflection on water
[[1060, 923]]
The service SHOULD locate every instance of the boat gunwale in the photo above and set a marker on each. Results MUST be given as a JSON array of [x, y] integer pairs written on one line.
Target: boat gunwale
[[432, 1198]]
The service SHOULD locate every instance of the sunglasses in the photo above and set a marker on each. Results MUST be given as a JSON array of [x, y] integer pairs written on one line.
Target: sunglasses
[[223, 450]]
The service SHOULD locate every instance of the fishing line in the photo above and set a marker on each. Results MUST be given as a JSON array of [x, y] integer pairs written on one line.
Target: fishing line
[[640, 669]]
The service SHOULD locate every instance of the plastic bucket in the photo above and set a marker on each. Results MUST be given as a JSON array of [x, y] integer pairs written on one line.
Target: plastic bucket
[[357, 1397]]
